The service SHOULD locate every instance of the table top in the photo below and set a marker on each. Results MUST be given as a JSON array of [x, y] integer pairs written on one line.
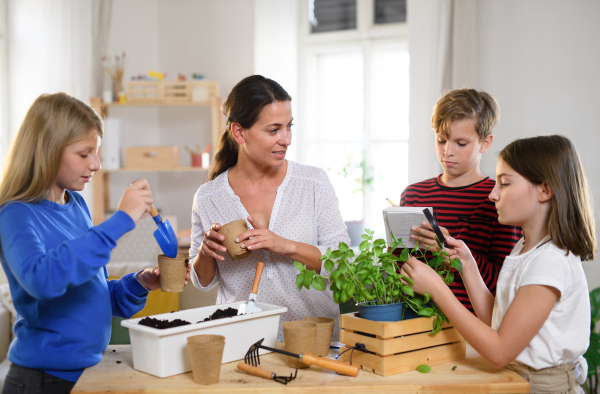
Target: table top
[[474, 374]]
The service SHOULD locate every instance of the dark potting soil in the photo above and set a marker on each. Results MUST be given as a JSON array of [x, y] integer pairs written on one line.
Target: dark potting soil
[[161, 324]]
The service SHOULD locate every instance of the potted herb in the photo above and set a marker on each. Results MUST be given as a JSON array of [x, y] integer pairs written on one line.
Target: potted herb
[[373, 280]]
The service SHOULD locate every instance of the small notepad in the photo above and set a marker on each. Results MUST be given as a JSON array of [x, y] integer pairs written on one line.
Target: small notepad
[[400, 220]]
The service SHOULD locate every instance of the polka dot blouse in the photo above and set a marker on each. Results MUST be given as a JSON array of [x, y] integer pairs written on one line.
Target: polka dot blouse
[[306, 210]]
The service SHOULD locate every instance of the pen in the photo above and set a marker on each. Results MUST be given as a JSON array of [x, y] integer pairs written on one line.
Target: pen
[[391, 203]]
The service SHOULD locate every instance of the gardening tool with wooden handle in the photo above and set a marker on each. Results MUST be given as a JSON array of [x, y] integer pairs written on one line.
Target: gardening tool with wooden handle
[[263, 373], [165, 236], [340, 367], [250, 307]]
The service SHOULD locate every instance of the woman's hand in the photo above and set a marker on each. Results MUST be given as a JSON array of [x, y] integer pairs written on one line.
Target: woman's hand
[[212, 244], [150, 277], [426, 279], [263, 238], [460, 250], [426, 236], [136, 200]]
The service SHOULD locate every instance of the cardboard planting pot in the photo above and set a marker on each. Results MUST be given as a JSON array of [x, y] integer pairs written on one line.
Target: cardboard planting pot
[[172, 272], [300, 337], [231, 231], [206, 353], [324, 333]]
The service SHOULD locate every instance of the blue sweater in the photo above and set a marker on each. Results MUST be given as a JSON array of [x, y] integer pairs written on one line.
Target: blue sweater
[[55, 264]]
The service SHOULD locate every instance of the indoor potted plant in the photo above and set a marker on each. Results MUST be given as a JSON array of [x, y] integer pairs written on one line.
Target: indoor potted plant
[[373, 280]]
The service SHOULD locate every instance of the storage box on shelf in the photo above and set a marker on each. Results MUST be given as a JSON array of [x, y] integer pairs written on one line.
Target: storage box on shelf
[[156, 94], [395, 347], [163, 352]]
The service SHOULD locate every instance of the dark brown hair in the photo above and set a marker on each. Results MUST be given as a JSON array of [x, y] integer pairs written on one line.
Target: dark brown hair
[[243, 105], [466, 104], [553, 160]]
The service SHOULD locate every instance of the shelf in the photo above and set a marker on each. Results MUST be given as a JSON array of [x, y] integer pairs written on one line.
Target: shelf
[[176, 169]]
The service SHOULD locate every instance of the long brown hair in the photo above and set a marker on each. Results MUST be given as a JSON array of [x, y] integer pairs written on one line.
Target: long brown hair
[[553, 160], [52, 122], [243, 106], [466, 103]]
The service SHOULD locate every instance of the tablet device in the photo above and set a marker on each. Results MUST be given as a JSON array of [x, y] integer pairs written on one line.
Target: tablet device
[[436, 227]]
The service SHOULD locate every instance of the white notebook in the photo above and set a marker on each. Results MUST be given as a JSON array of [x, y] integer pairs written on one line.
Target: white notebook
[[400, 220]]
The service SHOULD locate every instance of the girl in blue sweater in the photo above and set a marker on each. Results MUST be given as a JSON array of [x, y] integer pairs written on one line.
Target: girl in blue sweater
[[53, 257]]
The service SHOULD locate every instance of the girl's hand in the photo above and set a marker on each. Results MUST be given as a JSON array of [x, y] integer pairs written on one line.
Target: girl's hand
[[426, 236], [461, 250], [263, 238], [150, 277], [136, 200], [425, 278], [212, 244]]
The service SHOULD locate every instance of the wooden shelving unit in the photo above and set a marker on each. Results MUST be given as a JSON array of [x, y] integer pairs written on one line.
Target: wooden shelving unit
[[100, 181]]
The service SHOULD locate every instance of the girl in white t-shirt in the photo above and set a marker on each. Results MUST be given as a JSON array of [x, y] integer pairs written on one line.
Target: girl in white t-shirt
[[539, 322]]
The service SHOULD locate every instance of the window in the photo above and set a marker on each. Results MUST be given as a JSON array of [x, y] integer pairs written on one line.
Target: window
[[354, 102]]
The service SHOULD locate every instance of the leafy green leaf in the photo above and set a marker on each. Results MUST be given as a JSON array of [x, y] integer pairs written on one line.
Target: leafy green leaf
[[300, 281], [426, 297], [404, 254], [364, 236], [457, 265], [454, 368], [336, 254], [319, 283], [426, 312], [449, 278], [435, 262], [308, 275], [299, 266], [328, 253], [424, 368], [364, 245], [343, 247], [329, 265], [408, 290]]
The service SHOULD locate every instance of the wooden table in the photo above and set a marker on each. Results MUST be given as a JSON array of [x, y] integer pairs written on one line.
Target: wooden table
[[115, 374]]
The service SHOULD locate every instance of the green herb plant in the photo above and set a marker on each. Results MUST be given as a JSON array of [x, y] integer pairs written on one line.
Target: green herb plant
[[373, 278]]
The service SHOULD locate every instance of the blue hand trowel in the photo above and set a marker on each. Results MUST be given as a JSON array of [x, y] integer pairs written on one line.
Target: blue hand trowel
[[165, 236]]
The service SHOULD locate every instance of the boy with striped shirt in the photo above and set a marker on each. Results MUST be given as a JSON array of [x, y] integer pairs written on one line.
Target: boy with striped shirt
[[463, 120]]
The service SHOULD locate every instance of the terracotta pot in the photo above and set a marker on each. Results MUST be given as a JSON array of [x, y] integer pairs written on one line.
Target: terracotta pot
[[324, 333], [172, 272]]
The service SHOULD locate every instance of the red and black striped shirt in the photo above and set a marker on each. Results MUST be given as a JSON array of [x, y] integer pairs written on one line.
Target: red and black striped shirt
[[470, 216]]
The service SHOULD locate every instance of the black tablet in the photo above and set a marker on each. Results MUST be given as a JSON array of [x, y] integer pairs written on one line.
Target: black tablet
[[435, 226]]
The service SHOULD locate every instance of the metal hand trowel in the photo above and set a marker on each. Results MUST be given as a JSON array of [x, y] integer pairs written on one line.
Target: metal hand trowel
[[165, 236], [251, 307]]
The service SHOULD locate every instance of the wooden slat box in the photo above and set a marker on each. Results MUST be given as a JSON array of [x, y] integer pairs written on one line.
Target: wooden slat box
[[396, 347]]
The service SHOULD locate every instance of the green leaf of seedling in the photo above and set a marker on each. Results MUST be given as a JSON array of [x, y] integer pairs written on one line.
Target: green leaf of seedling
[[364, 245], [336, 254], [426, 298], [319, 283], [408, 290], [450, 278], [454, 368], [408, 280], [404, 254], [364, 236], [426, 312], [329, 265], [379, 242], [457, 265], [328, 253], [308, 275], [343, 247], [369, 231], [323, 257], [390, 271], [299, 266], [424, 368], [300, 281], [435, 262]]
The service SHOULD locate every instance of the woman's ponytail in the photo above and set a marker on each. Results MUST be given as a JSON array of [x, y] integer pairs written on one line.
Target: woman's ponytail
[[226, 156]]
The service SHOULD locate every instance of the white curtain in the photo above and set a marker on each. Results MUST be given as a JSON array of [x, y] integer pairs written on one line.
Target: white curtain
[[443, 56]]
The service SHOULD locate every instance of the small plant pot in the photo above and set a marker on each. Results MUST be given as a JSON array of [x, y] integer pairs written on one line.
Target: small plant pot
[[206, 355], [172, 272], [324, 333], [300, 337], [231, 231], [386, 312]]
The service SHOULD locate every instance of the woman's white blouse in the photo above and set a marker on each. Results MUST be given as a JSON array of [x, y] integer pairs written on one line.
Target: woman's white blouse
[[306, 210]]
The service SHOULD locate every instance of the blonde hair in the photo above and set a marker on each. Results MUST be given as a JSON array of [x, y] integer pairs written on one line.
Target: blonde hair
[[466, 104], [553, 160], [52, 122]]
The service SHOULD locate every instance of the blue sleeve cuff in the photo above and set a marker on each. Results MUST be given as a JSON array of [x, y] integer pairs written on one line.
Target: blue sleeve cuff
[[133, 284], [118, 224]]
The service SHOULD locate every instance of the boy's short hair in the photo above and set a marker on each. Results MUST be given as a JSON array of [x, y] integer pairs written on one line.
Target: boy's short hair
[[466, 104]]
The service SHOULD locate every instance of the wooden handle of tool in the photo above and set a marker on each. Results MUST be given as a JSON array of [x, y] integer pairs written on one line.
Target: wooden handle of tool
[[259, 269], [329, 364], [263, 373], [153, 211]]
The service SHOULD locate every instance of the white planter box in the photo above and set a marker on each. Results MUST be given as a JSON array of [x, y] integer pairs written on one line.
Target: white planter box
[[163, 352]]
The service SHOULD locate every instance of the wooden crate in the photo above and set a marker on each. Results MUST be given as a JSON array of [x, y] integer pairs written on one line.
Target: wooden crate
[[395, 347], [144, 92], [152, 157]]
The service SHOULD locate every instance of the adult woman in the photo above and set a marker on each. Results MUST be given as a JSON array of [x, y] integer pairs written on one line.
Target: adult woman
[[292, 209]]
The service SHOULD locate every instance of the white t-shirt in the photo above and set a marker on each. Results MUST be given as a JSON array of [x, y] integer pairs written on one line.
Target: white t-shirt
[[306, 210], [565, 335]]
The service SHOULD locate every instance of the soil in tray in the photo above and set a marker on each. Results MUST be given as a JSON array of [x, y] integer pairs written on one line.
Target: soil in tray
[[161, 324]]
